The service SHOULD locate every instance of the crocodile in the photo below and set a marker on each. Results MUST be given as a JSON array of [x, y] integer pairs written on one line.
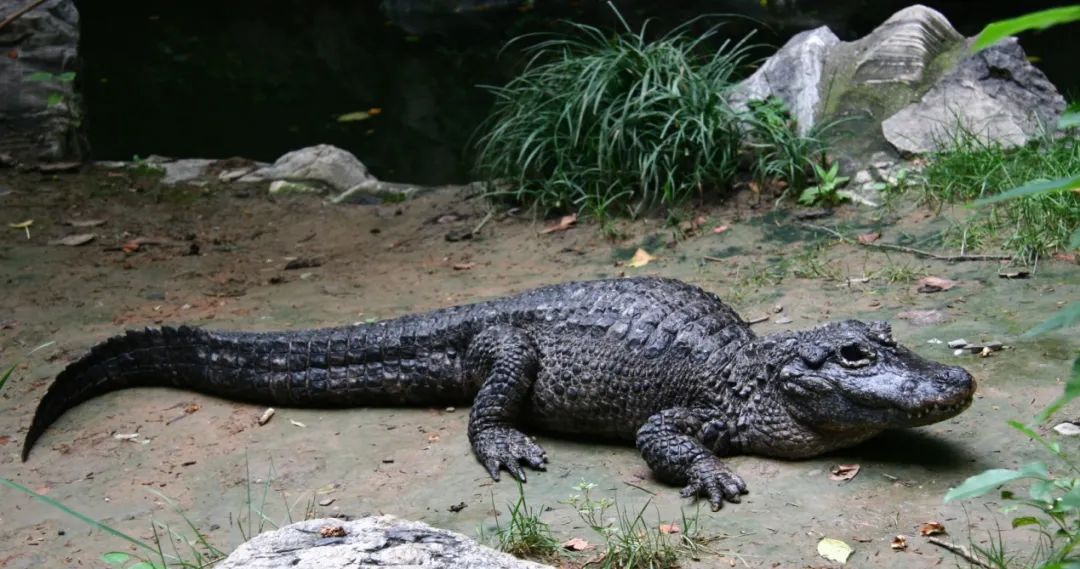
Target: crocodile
[[656, 361]]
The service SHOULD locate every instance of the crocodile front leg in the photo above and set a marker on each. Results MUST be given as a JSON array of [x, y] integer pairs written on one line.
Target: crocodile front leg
[[667, 443], [507, 360]]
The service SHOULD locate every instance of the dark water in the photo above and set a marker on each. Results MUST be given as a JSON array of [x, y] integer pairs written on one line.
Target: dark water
[[257, 78]]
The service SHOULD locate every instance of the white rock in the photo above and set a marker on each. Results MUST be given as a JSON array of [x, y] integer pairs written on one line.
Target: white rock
[[793, 74], [376, 541], [324, 164]]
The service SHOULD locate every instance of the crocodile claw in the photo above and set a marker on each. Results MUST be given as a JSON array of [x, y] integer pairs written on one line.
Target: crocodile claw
[[711, 479], [505, 448]]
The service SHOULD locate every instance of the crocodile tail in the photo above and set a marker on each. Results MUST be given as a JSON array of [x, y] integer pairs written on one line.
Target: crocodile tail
[[129, 360]]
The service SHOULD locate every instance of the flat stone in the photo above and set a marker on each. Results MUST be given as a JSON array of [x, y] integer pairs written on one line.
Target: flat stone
[[370, 542], [324, 164]]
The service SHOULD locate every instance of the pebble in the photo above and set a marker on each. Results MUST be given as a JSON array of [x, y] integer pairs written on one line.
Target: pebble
[[959, 343], [783, 320], [451, 409]]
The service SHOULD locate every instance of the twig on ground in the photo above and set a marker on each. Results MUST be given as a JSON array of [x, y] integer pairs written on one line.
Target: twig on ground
[[903, 249], [713, 259], [483, 222], [18, 13], [959, 550], [645, 490]]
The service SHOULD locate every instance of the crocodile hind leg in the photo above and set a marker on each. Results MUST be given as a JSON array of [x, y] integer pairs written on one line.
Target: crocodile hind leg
[[670, 445], [507, 361]]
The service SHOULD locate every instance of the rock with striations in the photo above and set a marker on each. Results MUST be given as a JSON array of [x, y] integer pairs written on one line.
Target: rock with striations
[[376, 541], [995, 95], [323, 164], [907, 88], [40, 109]]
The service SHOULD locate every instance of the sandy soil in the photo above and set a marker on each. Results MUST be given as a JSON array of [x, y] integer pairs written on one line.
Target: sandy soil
[[217, 257]]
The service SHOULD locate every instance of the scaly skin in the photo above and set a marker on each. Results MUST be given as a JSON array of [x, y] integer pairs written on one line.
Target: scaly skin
[[655, 361]]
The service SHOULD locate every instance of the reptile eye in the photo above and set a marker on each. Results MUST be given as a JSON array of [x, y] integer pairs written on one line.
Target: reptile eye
[[855, 355]]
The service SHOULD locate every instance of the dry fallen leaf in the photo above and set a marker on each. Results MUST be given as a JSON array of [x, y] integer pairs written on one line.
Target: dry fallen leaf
[[844, 472], [698, 221], [266, 416], [868, 238], [433, 438], [1068, 257], [932, 528], [463, 266], [577, 544], [24, 225], [1067, 429], [332, 531], [74, 240], [935, 284], [899, 543], [720, 229], [85, 222], [834, 550], [565, 223], [640, 259], [670, 528]]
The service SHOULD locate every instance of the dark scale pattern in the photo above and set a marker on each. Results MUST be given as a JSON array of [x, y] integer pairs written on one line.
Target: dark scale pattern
[[655, 361]]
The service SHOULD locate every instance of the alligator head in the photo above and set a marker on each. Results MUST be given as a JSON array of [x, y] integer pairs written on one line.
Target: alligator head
[[843, 382]]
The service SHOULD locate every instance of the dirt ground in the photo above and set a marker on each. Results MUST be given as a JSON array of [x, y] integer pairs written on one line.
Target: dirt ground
[[217, 257]]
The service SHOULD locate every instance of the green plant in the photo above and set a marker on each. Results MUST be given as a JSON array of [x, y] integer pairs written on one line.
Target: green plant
[[778, 151], [55, 97], [613, 123], [1039, 216], [630, 542], [827, 191], [526, 535]]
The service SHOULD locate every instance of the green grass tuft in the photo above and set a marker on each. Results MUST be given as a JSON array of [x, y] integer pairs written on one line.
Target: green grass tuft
[[1029, 226], [614, 123]]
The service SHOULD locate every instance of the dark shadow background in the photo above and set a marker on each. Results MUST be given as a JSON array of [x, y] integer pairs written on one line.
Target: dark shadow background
[[257, 78]]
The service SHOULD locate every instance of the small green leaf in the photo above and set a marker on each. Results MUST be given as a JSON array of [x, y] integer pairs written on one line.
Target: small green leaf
[[1074, 241], [1031, 188], [38, 77], [66, 77], [985, 482], [1071, 500], [146, 565], [1002, 29], [117, 558], [1069, 120], [1040, 491], [1025, 521], [7, 375], [1063, 318], [55, 99], [353, 117]]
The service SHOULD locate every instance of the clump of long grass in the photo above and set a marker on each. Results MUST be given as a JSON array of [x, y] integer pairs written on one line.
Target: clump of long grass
[[1030, 226], [613, 122]]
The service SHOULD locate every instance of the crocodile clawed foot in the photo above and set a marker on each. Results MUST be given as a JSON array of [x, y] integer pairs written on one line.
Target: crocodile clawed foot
[[505, 448], [710, 478]]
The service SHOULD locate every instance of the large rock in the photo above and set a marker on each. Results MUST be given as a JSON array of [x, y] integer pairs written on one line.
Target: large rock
[[995, 95], [40, 110], [323, 164], [904, 89], [792, 74], [378, 541]]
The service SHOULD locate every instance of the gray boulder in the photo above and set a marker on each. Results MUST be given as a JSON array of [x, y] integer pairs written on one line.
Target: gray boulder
[[995, 95], [377, 541], [904, 89], [792, 74], [323, 164], [40, 110]]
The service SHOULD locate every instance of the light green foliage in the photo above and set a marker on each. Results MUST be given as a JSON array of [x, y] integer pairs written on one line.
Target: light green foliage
[[629, 542], [526, 535], [1037, 217], [54, 98], [997, 31], [613, 123], [827, 191]]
